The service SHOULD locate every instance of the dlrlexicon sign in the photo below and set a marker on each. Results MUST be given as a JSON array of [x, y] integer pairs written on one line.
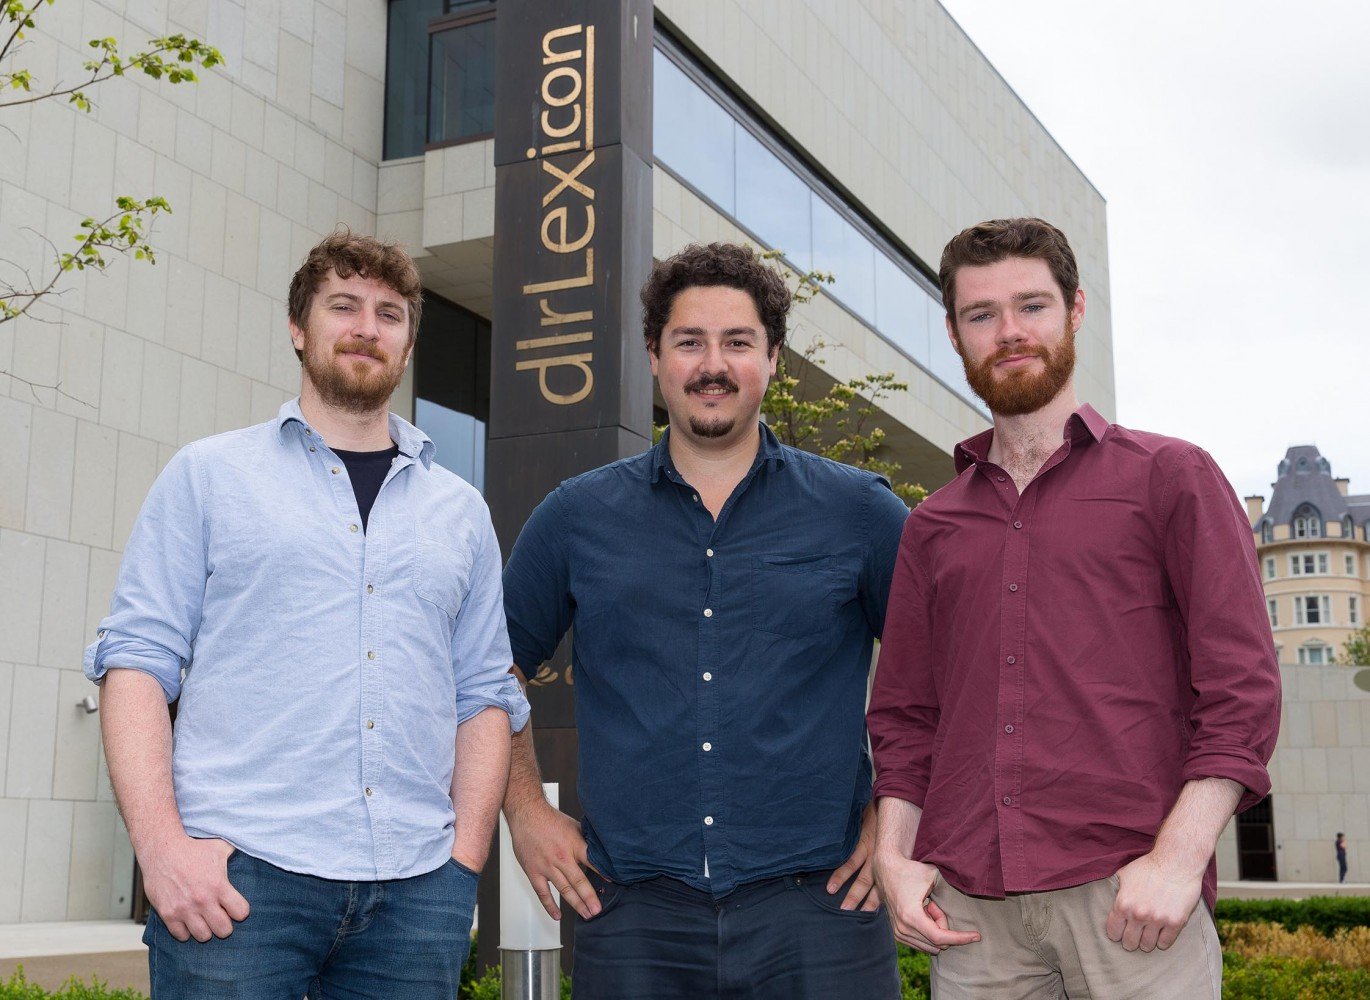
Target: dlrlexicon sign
[[567, 226]]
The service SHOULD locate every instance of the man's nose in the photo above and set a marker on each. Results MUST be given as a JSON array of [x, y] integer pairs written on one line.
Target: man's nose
[[366, 324]]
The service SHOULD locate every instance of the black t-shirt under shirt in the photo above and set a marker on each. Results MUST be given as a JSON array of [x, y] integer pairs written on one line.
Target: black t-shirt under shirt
[[367, 470]]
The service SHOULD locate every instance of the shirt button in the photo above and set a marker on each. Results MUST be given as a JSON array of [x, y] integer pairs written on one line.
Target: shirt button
[[1012, 659], [1008, 729], [1008, 800], [708, 821], [352, 528], [312, 448], [335, 470], [370, 589], [696, 498], [370, 654], [1017, 524], [368, 792], [709, 553], [708, 612], [370, 723], [1001, 479], [708, 747], [708, 676], [1013, 587]]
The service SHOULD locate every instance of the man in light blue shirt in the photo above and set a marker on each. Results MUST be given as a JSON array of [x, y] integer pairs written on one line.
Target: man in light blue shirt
[[325, 602]]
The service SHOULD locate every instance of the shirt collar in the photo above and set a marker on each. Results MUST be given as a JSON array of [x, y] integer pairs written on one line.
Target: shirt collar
[[770, 451], [1084, 422], [412, 442]]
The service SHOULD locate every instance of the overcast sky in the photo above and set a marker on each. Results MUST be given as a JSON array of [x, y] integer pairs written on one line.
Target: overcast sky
[[1232, 142]]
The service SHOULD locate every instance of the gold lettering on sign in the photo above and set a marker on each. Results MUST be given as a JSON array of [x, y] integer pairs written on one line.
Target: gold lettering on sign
[[567, 226]]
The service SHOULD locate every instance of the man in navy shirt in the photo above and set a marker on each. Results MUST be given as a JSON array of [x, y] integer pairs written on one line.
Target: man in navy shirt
[[724, 590]]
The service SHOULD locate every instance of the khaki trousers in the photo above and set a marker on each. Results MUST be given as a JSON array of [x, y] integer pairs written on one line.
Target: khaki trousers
[[1052, 945]]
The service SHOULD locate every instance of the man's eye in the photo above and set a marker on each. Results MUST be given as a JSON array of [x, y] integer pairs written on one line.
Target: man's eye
[[978, 317], [1033, 307]]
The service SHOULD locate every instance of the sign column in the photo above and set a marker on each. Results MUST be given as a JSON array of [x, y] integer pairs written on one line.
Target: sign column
[[570, 386]]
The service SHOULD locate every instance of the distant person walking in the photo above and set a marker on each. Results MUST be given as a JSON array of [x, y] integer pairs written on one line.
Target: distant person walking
[[1340, 845]]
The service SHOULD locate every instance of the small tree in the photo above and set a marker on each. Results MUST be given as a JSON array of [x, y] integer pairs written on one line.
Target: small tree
[[173, 58], [1355, 652]]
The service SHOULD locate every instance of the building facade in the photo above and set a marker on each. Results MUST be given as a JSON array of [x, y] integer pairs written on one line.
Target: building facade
[[1313, 547], [856, 137]]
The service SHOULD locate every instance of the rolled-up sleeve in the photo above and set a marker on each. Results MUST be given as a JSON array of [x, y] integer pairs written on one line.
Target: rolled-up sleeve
[[158, 601], [904, 712], [480, 642], [1211, 563]]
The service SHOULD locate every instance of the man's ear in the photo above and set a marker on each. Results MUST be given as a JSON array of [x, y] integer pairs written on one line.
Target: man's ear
[[1077, 311], [296, 336]]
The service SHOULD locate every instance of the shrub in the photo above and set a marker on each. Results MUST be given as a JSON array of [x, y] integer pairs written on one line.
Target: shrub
[[913, 974], [19, 988], [1349, 947], [1324, 914], [1278, 978]]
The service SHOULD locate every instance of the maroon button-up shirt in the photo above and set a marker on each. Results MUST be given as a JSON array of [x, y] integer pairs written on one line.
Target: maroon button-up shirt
[[1058, 663]]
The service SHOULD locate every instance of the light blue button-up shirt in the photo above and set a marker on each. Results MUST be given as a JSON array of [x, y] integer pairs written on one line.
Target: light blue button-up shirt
[[322, 670]]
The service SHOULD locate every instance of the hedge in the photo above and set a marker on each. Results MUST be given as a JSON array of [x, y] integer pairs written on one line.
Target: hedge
[[1324, 914]]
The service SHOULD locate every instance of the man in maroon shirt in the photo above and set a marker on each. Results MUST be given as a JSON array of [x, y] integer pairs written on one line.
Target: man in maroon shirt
[[1078, 684]]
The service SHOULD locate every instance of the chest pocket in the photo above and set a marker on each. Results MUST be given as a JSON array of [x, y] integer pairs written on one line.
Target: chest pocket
[[794, 595], [442, 573]]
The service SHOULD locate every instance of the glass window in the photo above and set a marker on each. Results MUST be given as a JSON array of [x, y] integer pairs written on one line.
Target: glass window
[[461, 82], [1315, 655], [406, 80], [692, 134], [1322, 563], [901, 311], [772, 201], [1350, 565], [1270, 569], [452, 386], [1267, 532], [1353, 611], [1274, 610], [839, 247]]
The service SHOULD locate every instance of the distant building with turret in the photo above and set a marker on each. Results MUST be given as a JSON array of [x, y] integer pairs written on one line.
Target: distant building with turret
[[1313, 543], [1314, 547]]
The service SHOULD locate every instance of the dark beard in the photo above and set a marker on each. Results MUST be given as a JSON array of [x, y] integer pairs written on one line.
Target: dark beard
[[716, 428], [349, 387], [1018, 393]]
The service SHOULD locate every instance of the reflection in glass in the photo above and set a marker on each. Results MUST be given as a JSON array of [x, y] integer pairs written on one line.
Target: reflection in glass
[[945, 362], [840, 248], [901, 312], [452, 386], [692, 134], [406, 81], [458, 437], [461, 82], [772, 201]]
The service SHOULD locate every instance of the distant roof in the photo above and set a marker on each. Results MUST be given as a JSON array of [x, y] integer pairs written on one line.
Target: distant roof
[[1305, 477]]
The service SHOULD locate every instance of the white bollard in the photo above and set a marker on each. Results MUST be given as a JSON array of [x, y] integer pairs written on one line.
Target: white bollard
[[529, 940]]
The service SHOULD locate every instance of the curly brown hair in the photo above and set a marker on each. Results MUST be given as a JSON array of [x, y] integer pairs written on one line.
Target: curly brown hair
[[349, 253], [995, 240], [727, 264]]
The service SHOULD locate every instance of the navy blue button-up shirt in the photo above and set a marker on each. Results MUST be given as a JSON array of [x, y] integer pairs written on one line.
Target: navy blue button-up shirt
[[720, 667]]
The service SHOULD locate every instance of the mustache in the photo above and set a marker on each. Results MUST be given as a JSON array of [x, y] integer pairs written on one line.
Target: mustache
[[701, 382], [1004, 353], [363, 348]]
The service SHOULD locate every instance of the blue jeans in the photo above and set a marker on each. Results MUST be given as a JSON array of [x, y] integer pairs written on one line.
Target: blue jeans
[[779, 939], [403, 939]]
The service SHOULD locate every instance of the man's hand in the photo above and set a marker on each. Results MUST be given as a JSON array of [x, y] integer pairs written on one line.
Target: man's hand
[[550, 848], [918, 922], [863, 892], [1153, 904], [187, 884]]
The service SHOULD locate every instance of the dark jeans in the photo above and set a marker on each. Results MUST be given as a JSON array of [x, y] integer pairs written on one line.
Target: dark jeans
[[404, 939], [780, 938]]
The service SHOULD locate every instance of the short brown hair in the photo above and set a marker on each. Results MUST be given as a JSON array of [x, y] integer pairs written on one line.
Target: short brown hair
[[727, 264], [998, 239], [348, 254]]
